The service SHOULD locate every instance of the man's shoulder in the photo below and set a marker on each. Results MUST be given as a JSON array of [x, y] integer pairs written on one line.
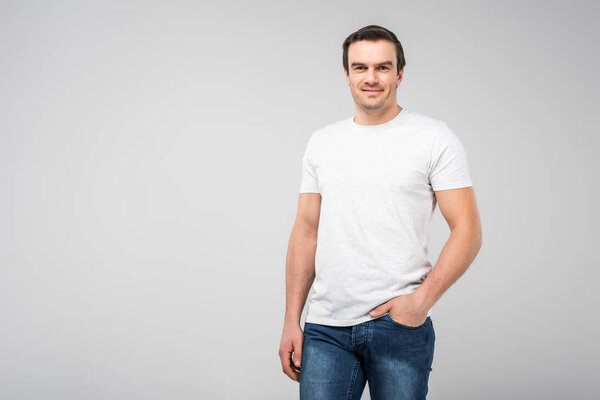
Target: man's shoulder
[[330, 128], [425, 120], [335, 124]]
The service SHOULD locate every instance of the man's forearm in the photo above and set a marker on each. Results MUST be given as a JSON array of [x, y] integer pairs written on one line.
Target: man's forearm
[[300, 272], [456, 256]]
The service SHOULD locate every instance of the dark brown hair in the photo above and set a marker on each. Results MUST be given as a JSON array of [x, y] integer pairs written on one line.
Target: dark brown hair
[[373, 33]]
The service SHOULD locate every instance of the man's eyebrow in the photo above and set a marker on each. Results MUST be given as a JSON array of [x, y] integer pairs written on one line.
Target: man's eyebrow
[[354, 64]]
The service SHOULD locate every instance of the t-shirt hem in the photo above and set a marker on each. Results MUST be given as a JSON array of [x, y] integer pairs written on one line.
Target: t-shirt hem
[[452, 186], [309, 190], [339, 322], [345, 322]]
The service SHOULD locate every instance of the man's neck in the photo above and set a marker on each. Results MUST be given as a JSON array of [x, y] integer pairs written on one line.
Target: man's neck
[[375, 118]]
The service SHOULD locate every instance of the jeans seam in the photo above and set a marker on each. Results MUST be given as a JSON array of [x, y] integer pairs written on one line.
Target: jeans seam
[[353, 381]]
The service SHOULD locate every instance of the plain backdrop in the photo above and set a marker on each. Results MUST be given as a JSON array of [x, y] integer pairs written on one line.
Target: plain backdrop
[[150, 161]]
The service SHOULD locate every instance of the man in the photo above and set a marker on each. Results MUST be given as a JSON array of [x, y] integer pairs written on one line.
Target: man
[[370, 184]]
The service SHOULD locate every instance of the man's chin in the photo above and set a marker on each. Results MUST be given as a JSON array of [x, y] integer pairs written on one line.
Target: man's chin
[[371, 106]]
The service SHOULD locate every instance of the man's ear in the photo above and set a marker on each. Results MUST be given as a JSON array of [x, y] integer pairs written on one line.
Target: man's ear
[[346, 76], [400, 76]]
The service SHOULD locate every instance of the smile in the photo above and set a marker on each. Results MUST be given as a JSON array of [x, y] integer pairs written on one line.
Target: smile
[[372, 91]]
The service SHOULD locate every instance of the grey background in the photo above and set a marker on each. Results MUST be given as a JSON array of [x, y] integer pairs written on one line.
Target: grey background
[[150, 161]]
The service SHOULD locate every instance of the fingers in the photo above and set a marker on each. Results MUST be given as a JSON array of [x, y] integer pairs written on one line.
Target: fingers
[[288, 367], [297, 354], [382, 309], [291, 359], [290, 351]]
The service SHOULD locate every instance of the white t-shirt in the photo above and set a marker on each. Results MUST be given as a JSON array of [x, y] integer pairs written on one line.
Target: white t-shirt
[[377, 200]]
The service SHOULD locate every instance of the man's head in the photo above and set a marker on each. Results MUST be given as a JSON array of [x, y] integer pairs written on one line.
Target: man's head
[[373, 62]]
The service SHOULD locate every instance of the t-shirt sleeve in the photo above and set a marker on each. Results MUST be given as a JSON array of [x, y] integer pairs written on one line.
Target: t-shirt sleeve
[[309, 182], [448, 167]]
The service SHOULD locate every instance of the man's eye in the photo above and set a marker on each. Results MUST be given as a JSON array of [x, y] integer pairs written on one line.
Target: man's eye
[[382, 67]]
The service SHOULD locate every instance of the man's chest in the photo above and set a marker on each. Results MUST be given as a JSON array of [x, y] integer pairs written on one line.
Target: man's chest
[[390, 163]]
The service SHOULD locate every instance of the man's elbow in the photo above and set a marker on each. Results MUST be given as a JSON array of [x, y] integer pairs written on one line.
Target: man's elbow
[[477, 237], [478, 240], [305, 231], [472, 232]]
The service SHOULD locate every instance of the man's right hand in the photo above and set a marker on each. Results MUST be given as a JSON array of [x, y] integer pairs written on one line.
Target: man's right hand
[[291, 345]]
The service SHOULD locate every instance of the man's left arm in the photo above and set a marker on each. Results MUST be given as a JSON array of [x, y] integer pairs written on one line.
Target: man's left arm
[[459, 208]]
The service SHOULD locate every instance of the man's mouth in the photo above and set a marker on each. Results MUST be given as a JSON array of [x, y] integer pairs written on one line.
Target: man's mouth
[[369, 91]]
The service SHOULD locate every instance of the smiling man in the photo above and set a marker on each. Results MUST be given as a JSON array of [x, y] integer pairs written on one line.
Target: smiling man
[[370, 184]]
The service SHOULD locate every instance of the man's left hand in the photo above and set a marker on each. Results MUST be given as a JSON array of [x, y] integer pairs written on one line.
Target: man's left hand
[[404, 309]]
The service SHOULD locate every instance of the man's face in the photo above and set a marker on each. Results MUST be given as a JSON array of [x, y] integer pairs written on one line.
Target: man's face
[[372, 74]]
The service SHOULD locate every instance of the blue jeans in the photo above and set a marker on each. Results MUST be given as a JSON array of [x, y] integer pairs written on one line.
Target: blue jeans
[[395, 359]]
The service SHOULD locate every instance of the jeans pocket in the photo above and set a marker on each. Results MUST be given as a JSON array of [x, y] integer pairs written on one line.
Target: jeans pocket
[[393, 321]]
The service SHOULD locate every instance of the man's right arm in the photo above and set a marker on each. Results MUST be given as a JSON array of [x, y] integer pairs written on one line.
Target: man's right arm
[[299, 276], [300, 260]]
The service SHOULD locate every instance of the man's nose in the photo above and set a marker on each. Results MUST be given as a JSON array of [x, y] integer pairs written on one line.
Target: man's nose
[[371, 76]]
